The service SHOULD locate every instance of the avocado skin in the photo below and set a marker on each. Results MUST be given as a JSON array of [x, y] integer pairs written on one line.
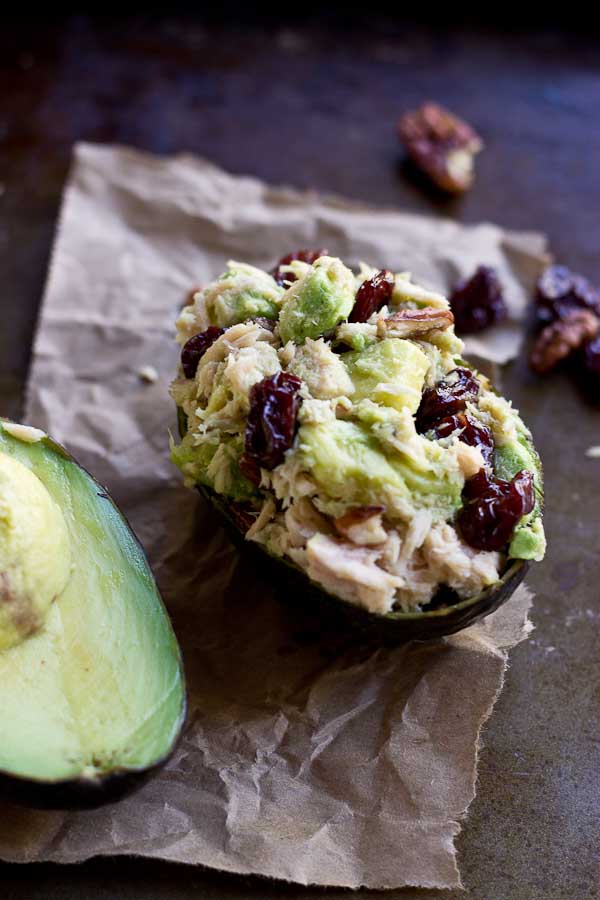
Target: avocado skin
[[76, 793], [88, 793]]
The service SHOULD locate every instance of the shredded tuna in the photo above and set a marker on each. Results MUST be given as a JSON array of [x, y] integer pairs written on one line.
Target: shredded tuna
[[451, 561], [322, 370], [351, 572], [407, 292], [362, 525], [264, 517]]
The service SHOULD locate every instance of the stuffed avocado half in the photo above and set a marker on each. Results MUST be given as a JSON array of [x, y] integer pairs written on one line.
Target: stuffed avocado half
[[91, 680], [330, 416]]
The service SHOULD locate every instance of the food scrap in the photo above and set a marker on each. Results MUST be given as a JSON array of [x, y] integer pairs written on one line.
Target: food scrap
[[568, 308], [441, 145], [478, 301], [148, 374]]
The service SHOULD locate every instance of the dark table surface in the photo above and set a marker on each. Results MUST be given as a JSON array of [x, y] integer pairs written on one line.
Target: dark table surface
[[315, 105]]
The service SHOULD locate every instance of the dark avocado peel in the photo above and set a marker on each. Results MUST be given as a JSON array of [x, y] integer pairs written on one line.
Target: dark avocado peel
[[447, 613], [94, 701]]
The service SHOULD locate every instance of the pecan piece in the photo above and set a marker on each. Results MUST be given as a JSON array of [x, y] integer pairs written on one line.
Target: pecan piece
[[442, 145], [559, 339], [405, 323]]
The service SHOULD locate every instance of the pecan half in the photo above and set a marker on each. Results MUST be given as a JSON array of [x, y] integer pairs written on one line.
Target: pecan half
[[405, 323], [442, 145], [559, 339]]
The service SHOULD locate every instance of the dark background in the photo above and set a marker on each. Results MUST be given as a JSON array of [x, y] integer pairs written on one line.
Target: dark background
[[313, 102]]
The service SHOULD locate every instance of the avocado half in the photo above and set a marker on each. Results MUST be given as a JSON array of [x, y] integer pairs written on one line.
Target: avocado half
[[447, 615], [94, 701]]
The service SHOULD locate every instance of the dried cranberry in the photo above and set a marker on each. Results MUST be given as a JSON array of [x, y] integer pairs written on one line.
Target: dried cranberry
[[307, 256], [559, 291], [271, 424], [478, 301], [447, 398], [373, 293], [493, 507], [194, 349], [471, 432], [591, 357]]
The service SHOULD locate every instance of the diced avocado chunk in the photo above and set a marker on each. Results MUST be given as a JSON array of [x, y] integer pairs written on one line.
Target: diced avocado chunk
[[242, 292], [215, 465], [528, 541], [317, 301], [349, 463], [391, 372]]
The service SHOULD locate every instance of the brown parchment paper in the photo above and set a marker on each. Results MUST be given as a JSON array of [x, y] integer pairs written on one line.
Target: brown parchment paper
[[305, 757]]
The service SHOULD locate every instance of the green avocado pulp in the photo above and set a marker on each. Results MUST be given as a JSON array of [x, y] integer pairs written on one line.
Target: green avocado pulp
[[100, 686]]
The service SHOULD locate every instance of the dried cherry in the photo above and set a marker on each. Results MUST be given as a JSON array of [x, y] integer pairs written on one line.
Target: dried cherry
[[478, 301], [559, 291], [473, 433], [271, 423], [447, 398], [591, 357], [373, 293], [493, 507], [307, 256], [194, 349]]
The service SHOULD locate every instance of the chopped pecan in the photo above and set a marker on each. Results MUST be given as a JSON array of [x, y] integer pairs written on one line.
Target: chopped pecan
[[442, 145], [267, 324], [189, 297], [405, 323], [559, 339]]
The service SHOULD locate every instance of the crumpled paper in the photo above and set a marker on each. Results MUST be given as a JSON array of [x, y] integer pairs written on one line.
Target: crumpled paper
[[305, 756]]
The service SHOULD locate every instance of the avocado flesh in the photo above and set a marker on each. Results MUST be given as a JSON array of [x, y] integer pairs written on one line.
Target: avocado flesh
[[98, 691], [528, 541], [391, 373], [347, 462]]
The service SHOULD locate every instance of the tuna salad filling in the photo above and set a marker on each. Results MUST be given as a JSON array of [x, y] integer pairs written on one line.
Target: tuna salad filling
[[332, 412]]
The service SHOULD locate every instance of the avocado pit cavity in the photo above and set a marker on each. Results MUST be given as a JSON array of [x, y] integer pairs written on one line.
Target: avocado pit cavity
[[35, 553]]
